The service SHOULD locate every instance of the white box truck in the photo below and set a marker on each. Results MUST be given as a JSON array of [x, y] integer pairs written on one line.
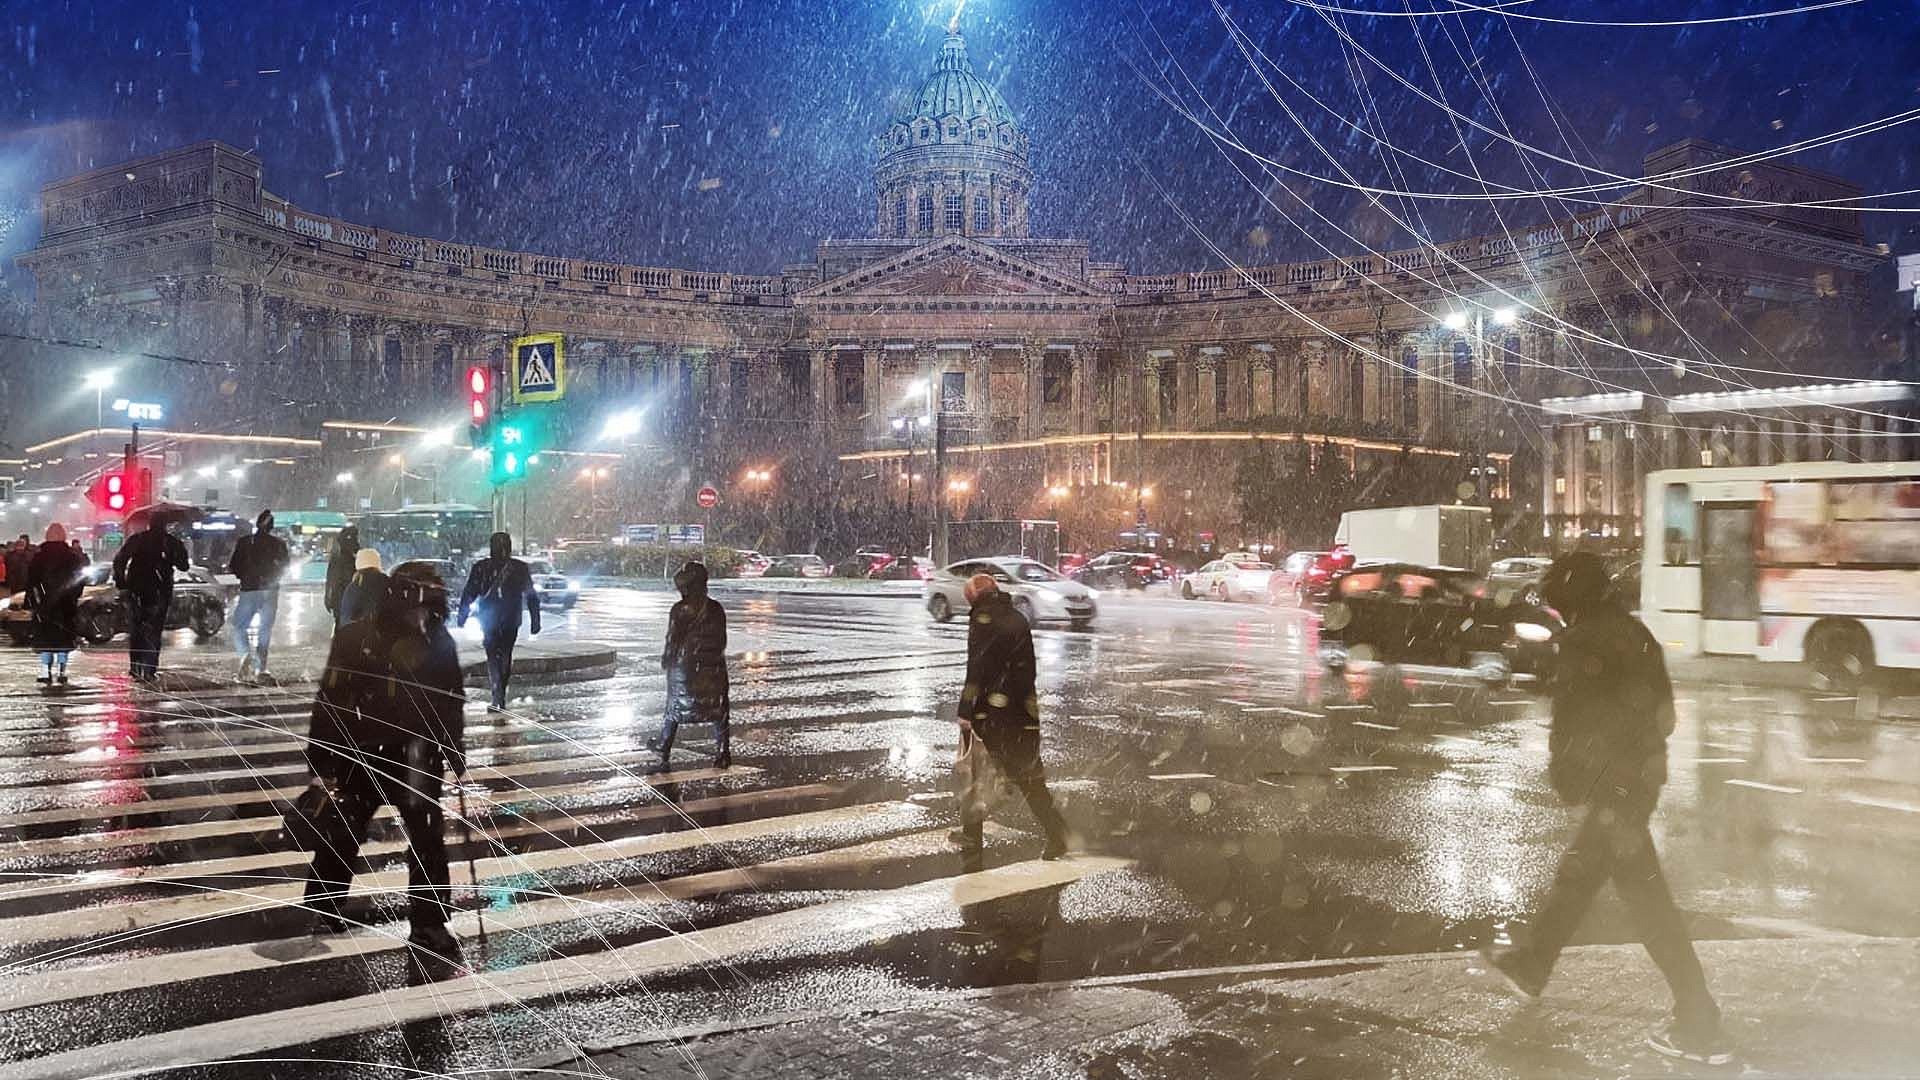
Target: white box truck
[[1459, 536]]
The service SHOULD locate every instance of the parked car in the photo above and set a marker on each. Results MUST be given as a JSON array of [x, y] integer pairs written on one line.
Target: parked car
[[1518, 577], [1403, 613], [1124, 570], [1039, 592], [861, 564], [199, 604], [1236, 577], [752, 563], [555, 588], [1070, 561], [903, 568], [797, 566]]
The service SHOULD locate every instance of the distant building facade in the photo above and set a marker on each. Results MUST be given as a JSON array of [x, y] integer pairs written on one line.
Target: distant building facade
[[1064, 370]]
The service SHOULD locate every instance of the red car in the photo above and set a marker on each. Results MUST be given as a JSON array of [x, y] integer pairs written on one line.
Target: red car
[[1306, 575]]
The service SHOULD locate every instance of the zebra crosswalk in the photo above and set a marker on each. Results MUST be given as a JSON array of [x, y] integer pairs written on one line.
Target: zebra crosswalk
[[151, 916]]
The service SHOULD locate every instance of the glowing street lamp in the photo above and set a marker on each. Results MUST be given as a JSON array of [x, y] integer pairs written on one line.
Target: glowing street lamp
[[343, 478]]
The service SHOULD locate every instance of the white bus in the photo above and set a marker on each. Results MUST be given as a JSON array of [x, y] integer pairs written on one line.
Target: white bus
[[1815, 562]]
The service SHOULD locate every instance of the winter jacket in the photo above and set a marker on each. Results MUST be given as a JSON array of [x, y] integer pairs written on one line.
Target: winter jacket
[[384, 686], [16, 566], [1612, 711], [999, 690], [500, 586], [53, 587], [259, 561], [146, 562], [339, 572], [695, 660], [361, 597]]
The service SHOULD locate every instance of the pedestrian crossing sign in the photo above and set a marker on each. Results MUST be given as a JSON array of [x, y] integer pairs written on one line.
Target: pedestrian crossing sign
[[539, 368]]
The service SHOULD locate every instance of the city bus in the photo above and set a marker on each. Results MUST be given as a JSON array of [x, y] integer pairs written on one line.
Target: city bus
[[452, 531], [1812, 562]]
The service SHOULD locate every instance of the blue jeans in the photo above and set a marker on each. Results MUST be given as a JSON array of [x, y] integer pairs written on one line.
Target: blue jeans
[[264, 603]]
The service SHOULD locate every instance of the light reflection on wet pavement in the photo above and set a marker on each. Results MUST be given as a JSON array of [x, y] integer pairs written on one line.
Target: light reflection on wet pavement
[[1247, 809]]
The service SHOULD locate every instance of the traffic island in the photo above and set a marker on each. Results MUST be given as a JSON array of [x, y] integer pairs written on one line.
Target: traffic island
[[536, 661]]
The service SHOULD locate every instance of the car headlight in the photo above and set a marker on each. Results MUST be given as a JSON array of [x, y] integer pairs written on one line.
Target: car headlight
[[1532, 632], [573, 586]]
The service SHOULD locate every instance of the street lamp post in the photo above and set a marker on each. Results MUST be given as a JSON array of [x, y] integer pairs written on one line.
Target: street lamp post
[[1475, 321]]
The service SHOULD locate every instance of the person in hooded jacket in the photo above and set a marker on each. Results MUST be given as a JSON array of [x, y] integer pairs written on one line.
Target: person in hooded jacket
[[695, 660], [260, 562], [54, 583], [340, 570], [500, 586], [387, 721], [1000, 706], [1607, 750], [361, 597], [143, 570]]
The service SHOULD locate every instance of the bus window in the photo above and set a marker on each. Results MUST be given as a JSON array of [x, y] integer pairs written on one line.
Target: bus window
[[1680, 545]]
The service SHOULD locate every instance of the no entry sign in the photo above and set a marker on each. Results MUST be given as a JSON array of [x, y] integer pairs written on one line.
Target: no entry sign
[[708, 498]]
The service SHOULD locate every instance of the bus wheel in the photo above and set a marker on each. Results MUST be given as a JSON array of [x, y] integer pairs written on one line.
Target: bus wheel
[[1841, 656]]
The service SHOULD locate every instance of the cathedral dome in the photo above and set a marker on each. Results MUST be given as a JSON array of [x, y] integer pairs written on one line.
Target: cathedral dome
[[955, 160]]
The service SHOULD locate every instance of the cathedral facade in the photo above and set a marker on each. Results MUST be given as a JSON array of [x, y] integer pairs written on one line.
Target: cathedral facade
[[1063, 378]]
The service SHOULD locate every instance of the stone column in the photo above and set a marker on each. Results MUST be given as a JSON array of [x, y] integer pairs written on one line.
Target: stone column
[[1033, 368], [1152, 373], [872, 355], [820, 381], [1206, 369], [1262, 375], [1080, 389], [1239, 384], [980, 386]]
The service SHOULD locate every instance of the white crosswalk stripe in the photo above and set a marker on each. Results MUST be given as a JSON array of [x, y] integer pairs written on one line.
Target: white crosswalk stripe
[[140, 854]]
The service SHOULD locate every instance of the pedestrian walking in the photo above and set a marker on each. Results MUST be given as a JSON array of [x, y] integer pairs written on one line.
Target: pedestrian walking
[[500, 586], [143, 572], [18, 555], [54, 583], [361, 597], [259, 560], [341, 566], [387, 722], [1000, 708], [695, 660], [81, 550], [1612, 713]]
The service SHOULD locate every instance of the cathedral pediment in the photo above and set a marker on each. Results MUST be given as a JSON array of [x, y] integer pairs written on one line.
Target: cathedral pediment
[[952, 266]]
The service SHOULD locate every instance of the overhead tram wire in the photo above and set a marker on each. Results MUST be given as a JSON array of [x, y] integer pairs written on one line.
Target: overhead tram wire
[[1510, 10]]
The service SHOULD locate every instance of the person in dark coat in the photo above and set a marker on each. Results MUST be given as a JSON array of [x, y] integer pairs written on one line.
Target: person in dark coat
[[340, 570], [695, 660], [143, 572], [18, 555], [54, 583], [361, 597], [259, 560], [1000, 707], [500, 586], [1607, 750], [80, 550], [387, 721]]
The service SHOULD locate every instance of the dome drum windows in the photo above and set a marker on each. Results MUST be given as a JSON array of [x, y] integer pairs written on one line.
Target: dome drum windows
[[982, 214], [955, 214], [925, 224]]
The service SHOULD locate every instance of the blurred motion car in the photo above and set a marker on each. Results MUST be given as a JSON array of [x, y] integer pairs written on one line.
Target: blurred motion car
[[752, 563], [555, 588], [199, 604], [797, 566], [1071, 561], [1124, 570], [902, 568], [1311, 574], [1039, 592], [1236, 577], [861, 564], [1435, 616]]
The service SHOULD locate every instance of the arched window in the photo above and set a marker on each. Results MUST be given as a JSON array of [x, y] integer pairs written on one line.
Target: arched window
[[1006, 211], [956, 213], [900, 217], [1462, 362], [926, 132], [982, 214], [926, 215]]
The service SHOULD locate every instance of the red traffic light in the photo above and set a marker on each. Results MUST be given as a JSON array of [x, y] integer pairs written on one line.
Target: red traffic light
[[479, 402]]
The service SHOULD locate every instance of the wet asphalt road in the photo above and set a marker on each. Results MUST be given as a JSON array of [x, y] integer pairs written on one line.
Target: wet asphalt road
[[1232, 806]]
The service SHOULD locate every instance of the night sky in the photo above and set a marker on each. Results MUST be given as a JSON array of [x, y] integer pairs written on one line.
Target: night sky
[[733, 135]]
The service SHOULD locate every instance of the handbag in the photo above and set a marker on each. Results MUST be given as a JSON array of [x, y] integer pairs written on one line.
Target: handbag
[[314, 820]]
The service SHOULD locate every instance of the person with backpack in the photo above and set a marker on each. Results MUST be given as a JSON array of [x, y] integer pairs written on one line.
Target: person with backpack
[[695, 660], [387, 721], [143, 570], [361, 596], [500, 586], [259, 560], [1607, 750]]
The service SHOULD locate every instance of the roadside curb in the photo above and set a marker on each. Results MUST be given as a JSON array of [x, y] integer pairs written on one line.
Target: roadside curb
[[540, 663]]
